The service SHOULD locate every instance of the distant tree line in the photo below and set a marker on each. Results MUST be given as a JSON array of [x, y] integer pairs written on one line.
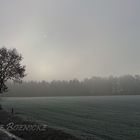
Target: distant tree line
[[123, 85]]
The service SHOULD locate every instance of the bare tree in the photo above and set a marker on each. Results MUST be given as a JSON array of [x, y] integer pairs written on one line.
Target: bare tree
[[10, 67]]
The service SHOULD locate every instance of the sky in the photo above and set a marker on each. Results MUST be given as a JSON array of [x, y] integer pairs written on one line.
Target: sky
[[67, 39]]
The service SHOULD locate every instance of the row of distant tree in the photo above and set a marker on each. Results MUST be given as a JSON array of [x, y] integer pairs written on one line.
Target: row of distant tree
[[124, 85]]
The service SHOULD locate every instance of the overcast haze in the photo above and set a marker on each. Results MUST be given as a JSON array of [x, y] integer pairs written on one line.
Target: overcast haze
[[66, 39]]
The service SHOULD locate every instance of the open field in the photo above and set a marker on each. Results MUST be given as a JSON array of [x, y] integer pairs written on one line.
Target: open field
[[99, 118]]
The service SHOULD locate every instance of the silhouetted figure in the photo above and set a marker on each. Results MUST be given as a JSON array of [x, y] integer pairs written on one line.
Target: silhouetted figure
[[12, 111]]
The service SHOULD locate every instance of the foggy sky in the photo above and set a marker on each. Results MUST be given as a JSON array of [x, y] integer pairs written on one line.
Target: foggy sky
[[66, 39]]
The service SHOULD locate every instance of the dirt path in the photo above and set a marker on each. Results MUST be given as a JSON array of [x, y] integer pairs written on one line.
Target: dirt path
[[5, 135]]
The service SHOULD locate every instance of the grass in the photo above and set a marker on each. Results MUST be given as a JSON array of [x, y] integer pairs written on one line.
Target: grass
[[99, 118], [48, 133]]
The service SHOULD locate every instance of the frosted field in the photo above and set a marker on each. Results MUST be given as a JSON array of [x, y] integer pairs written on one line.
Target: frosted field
[[101, 118]]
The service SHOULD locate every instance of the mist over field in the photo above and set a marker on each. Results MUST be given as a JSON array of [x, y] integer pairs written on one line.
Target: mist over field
[[67, 64], [99, 86]]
